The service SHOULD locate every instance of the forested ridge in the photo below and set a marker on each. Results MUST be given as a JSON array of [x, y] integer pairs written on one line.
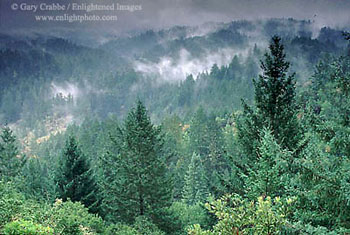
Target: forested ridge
[[93, 144]]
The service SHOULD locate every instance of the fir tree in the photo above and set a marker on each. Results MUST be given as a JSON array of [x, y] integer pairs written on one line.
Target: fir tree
[[275, 106], [10, 160], [266, 176], [215, 71], [37, 179], [74, 180], [196, 184], [141, 185], [186, 91], [198, 133]]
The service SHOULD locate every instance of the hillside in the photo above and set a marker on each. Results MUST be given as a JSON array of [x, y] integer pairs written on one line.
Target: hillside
[[227, 128]]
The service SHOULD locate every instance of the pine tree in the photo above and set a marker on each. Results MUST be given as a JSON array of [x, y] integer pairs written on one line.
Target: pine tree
[[324, 162], [196, 184], [74, 180], [215, 163], [10, 160], [275, 106], [215, 71], [186, 91], [37, 181], [233, 70], [140, 185], [267, 177], [322, 185], [206, 139], [198, 134]]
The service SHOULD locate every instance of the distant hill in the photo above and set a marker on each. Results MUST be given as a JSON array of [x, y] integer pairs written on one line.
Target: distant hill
[[172, 70]]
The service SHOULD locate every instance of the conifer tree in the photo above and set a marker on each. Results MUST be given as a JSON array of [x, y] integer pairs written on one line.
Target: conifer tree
[[215, 71], [198, 133], [141, 185], [74, 179], [186, 91], [266, 176], [196, 184], [10, 160], [37, 179], [275, 106], [205, 138]]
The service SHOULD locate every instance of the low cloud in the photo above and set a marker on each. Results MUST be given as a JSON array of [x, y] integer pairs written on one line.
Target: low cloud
[[169, 69], [65, 90], [157, 14]]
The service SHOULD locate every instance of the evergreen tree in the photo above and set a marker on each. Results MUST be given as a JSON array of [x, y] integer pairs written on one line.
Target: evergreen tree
[[196, 184], [198, 134], [174, 145], [266, 176], [206, 139], [74, 179], [324, 162], [215, 71], [215, 164], [10, 160], [234, 69], [37, 181], [140, 185], [186, 91], [322, 186], [275, 106]]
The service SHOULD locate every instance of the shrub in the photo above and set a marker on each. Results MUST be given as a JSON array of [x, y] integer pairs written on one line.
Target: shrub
[[190, 214], [73, 218], [121, 229], [11, 203], [22, 227], [240, 216]]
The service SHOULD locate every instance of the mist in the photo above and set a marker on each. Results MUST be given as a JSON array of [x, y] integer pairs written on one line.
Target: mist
[[65, 90], [174, 70], [159, 14]]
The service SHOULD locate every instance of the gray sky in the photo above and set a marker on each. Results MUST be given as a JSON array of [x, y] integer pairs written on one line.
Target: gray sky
[[167, 13]]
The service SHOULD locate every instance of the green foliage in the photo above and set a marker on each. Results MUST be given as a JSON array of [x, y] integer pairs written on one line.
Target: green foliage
[[140, 185], [14, 205], [198, 133], [74, 179], [121, 229], [174, 144], [61, 217], [323, 162], [36, 179], [277, 148], [186, 91], [142, 226], [275, 106], [190, 214], [268, 134], [11, 202], [73, 218], [267, 176], [322, 176], [236, 215], [205, 137], [23, 227], [196, 186], [10, 160]]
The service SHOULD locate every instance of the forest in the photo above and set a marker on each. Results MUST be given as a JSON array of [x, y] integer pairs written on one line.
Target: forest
[[242, 130]]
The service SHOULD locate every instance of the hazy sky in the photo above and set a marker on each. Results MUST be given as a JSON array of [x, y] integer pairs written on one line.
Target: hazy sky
[[166, 13]]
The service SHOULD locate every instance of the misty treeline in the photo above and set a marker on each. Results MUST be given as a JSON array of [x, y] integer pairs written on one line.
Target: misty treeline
[[277, 163], [43, 76]]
